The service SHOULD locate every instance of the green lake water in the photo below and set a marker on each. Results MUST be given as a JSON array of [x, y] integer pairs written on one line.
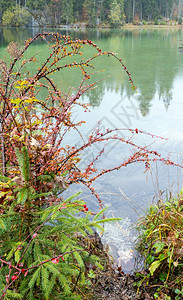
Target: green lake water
[[153, 59]]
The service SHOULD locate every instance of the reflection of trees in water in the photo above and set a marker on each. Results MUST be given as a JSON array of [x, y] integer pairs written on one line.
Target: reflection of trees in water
[[16, 34], [151, 56], [96, 95]]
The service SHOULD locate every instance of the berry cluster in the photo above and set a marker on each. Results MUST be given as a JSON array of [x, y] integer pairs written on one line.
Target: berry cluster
[[85, 207]]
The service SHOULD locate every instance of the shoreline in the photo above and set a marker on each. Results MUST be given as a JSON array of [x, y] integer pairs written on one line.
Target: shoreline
[[125, 26]]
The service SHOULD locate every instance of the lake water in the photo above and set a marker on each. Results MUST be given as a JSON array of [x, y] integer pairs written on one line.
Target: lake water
[[153, 59]]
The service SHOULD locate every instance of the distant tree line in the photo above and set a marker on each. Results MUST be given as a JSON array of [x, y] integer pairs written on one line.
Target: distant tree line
[[92, 12]]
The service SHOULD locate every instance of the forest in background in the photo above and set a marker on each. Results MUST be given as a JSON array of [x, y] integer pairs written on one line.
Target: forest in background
[[93, 13]]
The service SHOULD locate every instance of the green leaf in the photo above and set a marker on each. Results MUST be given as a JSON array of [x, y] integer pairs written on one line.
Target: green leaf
[[154, 266], [159, 246], [16, 101]]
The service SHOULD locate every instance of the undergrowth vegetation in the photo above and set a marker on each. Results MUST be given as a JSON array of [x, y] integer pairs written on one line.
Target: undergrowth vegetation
[[42, 249], [160, 244]]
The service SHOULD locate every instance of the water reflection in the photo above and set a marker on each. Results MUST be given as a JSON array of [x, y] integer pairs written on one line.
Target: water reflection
[[151, 56]]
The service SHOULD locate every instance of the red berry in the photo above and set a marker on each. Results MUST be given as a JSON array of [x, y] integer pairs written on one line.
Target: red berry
[[84, 205], [86, 208], [23, 270]]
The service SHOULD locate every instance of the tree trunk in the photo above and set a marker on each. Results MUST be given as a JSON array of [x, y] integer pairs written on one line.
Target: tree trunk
[[133, 8]]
